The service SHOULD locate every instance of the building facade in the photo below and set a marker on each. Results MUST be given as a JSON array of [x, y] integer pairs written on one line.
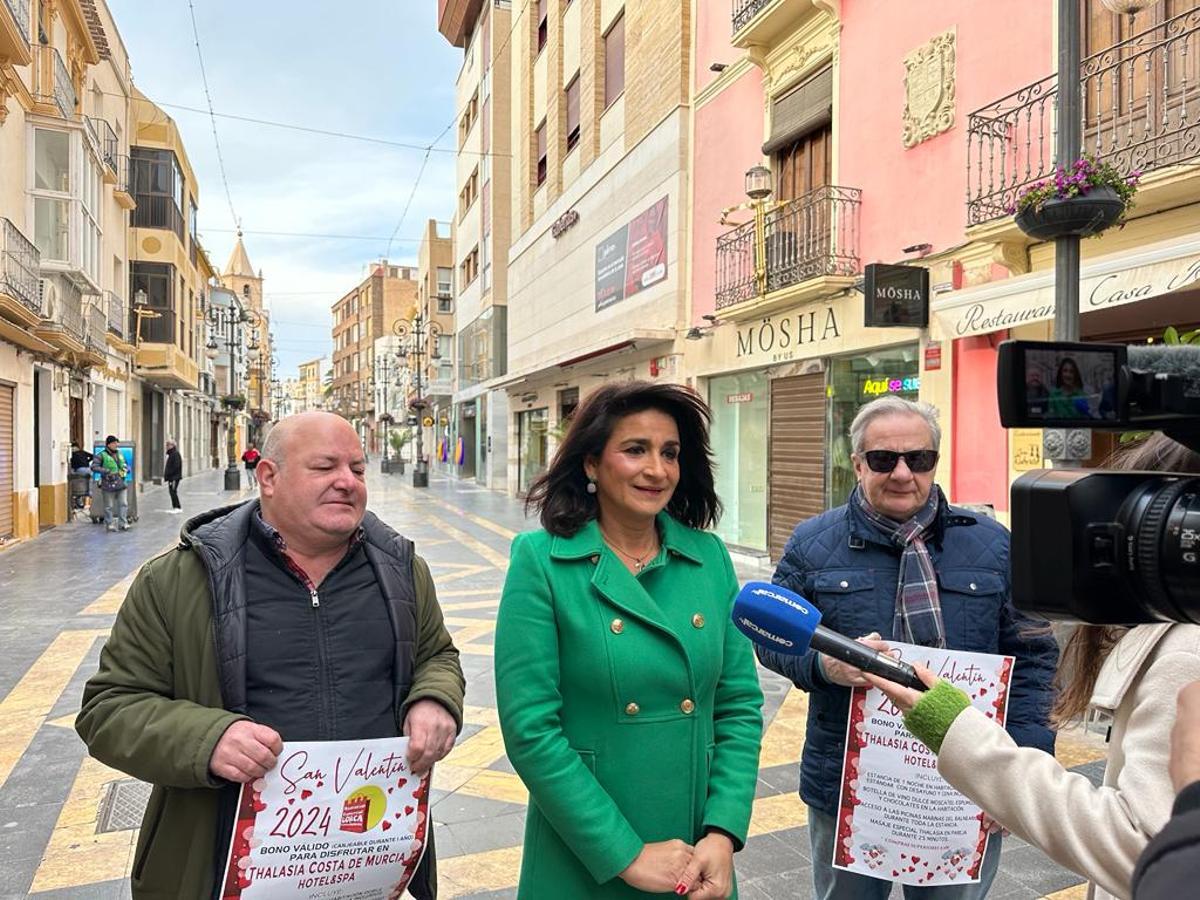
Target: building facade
[[435, 302], [597, 270], [370, 310], [482, 232], [169, 275], [311, 380], [64, 346], [240, 278]]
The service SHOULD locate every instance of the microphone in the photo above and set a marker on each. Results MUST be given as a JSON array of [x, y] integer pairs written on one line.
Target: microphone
[[778, 619]]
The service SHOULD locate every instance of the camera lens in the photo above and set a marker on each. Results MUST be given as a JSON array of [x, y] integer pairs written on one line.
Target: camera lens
[[1162, 525]]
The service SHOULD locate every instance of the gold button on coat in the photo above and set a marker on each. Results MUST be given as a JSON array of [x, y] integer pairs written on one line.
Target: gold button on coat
[[617, 626], [698, 621], [687, 706], [632, 709]]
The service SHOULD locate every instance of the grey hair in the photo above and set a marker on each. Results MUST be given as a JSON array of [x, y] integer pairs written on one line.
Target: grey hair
[[893, 406]]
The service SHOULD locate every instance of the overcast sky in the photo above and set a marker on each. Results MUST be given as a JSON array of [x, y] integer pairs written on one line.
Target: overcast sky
[[373, 68]]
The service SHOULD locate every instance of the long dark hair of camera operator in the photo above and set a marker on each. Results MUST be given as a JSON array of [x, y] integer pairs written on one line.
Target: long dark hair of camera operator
[[560, 495], [1089, 645]]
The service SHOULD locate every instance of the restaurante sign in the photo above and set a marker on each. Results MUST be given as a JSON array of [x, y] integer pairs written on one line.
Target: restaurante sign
[[1026, 299]]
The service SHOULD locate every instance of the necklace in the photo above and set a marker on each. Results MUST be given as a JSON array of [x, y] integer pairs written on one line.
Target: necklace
[[638, 561]]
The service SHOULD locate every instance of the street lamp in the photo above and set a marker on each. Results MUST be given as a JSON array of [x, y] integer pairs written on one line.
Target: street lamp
[[225, 322], [417, 334], [383, 377], [759, 188]]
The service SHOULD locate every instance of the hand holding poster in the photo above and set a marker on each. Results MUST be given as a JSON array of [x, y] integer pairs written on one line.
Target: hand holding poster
[[898, 819], [336, 819]]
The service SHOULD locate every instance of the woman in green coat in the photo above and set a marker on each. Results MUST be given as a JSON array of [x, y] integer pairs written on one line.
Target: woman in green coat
[[630, 705]]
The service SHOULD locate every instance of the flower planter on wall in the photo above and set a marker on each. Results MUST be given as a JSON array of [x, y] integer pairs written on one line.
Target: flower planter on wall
[[1085, 215]]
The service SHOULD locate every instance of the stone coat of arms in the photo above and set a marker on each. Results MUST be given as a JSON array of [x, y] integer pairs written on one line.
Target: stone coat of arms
[[929, 89]]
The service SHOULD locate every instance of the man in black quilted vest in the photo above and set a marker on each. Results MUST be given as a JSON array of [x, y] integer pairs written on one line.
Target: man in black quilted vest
[[297, 616]]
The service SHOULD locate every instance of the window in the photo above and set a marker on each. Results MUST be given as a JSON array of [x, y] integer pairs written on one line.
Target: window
[[470, 114], [541, 153], [90, 209], [158, 189], [445, 278], [157, 281], [614, 61], [469, 194], [445, 305], [52, 194], [573, 113], [543, 29], [468, 270]]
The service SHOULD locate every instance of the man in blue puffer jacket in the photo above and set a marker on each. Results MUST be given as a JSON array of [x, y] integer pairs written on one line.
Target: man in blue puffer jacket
[[897, 562]]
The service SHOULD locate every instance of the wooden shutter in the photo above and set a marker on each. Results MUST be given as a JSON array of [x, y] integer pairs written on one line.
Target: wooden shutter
[[6, 461], [796, 459]]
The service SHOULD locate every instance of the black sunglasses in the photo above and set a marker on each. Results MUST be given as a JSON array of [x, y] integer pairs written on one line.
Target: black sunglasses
[[918, 461]]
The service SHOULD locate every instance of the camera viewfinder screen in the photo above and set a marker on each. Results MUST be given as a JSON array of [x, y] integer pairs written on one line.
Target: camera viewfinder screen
[[1070, 384]]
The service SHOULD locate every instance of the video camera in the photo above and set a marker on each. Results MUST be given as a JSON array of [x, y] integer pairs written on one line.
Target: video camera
[[1104, 547]]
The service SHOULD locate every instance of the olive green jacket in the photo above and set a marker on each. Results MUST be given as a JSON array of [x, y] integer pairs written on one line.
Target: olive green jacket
[[154, 710], [630, 706]]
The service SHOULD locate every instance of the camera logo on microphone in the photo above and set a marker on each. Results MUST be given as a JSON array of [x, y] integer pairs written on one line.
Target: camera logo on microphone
[[762, 632]]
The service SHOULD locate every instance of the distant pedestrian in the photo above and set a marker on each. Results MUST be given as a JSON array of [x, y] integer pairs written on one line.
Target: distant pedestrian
[[81, 460], [251, 458], [111, 465], [173, 474]]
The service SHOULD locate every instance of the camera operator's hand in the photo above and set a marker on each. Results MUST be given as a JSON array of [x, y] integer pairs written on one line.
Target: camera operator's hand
[[838, 672], [1185, 738]]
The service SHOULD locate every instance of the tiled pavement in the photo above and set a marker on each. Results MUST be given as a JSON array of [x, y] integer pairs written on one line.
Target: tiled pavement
[[58, 596]]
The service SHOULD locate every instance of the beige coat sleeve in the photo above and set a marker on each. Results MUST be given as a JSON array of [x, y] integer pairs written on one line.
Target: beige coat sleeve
[[1097, 832]]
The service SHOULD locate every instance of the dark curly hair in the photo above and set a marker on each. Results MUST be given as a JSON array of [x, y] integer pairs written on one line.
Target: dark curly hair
[[560, 495]]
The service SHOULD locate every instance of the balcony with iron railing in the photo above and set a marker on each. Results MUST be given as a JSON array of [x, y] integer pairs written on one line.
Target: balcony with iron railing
[[157, 211], [95, 327], [108, 144], [62, 315], [763, 22], [14, 32], [114, 308], [19, 264], [813, 237], [55, 90], [1141, 111], [121, 191]]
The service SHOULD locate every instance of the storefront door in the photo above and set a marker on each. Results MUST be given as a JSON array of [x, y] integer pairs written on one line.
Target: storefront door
[[854, 382], [739, 442], [797, 455], [532, 431], [6, 461]]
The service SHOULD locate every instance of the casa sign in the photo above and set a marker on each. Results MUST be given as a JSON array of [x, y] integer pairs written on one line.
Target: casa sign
[[1027, 299]]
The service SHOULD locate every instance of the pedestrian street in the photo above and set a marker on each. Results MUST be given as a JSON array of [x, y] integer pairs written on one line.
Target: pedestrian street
[[68, 824]]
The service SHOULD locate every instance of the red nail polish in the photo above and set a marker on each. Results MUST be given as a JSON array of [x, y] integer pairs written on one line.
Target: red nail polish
[[681, 889]]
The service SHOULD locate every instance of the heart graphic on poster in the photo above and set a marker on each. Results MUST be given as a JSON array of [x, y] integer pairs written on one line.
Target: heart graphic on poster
[[386, 826], [305, 794]]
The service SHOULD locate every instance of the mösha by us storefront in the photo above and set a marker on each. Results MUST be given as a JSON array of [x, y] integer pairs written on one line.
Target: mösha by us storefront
[[783, 390]]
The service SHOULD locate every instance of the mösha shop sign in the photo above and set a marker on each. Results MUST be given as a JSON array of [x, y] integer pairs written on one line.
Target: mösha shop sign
[[788, 336], [1026, 299]]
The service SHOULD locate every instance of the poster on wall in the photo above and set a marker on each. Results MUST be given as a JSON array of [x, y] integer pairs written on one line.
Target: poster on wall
[[633, 258]]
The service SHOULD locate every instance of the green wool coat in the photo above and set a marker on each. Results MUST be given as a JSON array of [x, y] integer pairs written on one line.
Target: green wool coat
[[630, 706]]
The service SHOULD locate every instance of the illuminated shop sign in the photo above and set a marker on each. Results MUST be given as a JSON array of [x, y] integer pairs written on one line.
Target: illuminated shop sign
[[877, 387]]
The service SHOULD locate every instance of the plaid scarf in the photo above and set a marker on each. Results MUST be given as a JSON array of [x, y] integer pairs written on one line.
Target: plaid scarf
[[918, 618]]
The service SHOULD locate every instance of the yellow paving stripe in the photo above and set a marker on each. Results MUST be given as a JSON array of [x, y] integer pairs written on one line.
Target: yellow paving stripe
[[474, 873], [478, 751], [25, 708], [470, 592], [472, 604], [108, 603], [75, 854], [481, 715], [1074, 747], [777, 813], [439, 580], [1075, 892], [478, 649], [492, 785], [491, 526], [784, 737], [499, 560]]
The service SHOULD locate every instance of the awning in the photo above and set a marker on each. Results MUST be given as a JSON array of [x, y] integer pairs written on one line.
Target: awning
[[1104, 282], [633, 339], [801, 111]]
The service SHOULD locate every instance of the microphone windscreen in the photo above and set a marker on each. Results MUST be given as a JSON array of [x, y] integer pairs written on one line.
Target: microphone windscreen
[[1169, 359], [775, 618]]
